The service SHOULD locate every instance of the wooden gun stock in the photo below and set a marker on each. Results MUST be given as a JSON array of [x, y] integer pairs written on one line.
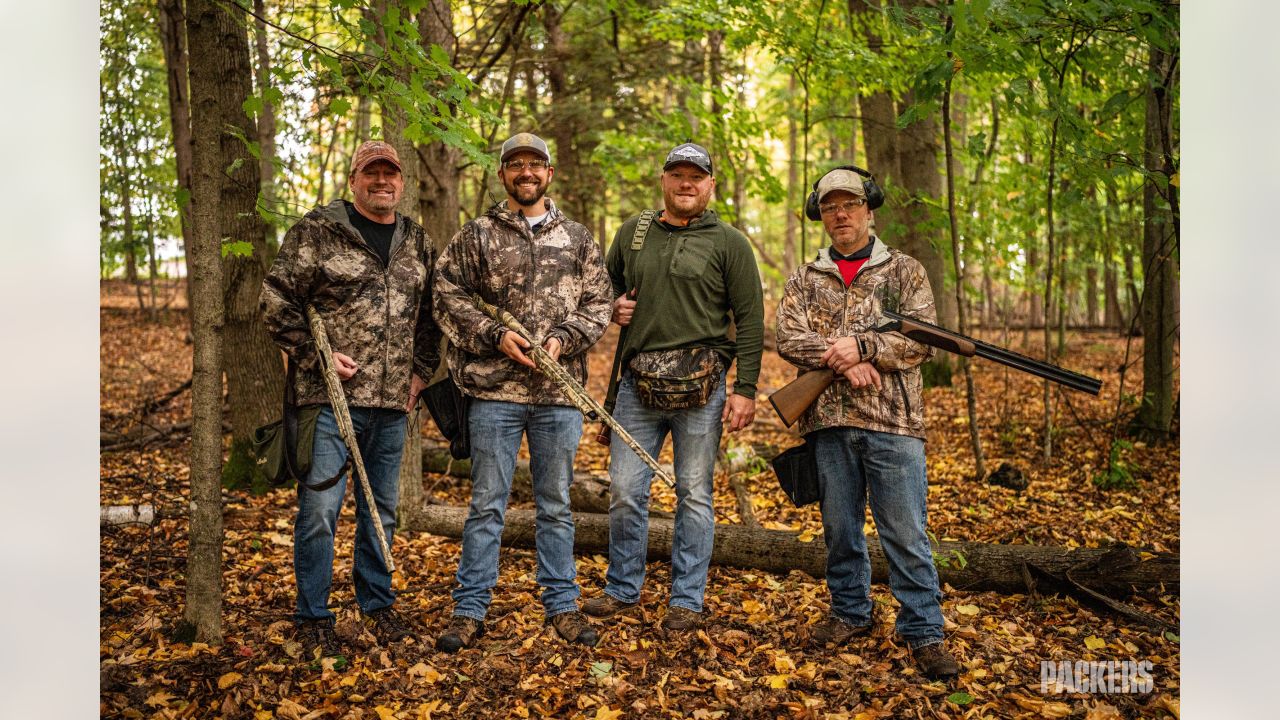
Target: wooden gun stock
[[795, 397]]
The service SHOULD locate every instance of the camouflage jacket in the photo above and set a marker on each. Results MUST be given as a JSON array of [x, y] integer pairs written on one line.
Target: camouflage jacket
[[816, 306], [553, 282], [378, 315]]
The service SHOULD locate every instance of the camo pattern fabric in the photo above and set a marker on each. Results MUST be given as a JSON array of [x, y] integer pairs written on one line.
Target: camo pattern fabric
[[816, 306], [554, 282], [676, 379], [378, 315]]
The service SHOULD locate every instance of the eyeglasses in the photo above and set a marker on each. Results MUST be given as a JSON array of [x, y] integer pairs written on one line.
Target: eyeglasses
[[847, 206], [520, 165]]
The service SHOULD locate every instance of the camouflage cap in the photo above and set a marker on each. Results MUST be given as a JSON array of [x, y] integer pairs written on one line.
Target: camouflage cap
[[841, 179], [524, 142], [691, 153], [371, 151]]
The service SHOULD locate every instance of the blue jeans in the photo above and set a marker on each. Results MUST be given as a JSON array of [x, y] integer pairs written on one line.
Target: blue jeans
[[496, 428], [380, 436], [855, 465], [695, 439]]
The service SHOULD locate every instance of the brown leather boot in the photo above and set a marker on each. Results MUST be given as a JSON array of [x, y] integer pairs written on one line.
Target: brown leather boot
[[462, 632], [837, 631], [606, 606], [574, 628], [680, 619], [935, 662]]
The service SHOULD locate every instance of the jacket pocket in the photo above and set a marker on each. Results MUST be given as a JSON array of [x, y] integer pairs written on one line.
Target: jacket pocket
[[690, 257]]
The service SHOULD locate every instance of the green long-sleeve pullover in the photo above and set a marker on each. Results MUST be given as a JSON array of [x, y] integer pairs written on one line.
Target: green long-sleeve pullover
[[687, 282]]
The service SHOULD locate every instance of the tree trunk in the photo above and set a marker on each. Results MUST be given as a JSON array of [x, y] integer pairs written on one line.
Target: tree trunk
[[440, 205], [979, 463], [173, 40], [964, 566], [267, 117], [255, 377], [795, 193], [207, 28], [1159, 246]]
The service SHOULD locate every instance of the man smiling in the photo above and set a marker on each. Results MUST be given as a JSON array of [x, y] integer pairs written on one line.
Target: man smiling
[[689, 271], [367, 271], [524, 256]]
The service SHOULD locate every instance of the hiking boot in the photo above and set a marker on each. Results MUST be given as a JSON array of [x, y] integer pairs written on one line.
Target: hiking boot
[[833, 630], [389, 626], [318, 638], [935, 662], [574, 628], [605, 606], [462, 632], [681, 619]]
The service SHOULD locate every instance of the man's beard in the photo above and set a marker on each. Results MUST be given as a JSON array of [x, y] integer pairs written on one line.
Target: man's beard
[[524, 196]]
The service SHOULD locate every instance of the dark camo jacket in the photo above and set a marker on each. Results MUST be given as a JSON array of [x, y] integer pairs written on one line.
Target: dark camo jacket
[[379, 316], [553, 282], [816, 305]]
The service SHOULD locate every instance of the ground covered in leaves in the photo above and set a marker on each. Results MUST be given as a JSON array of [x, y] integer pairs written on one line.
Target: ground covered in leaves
[[750, 661]]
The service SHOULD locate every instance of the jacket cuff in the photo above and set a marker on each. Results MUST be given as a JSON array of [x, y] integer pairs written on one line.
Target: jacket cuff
[[868, 348]]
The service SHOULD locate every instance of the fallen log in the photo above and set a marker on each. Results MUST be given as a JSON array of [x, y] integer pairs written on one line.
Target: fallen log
[[587, 493], [963, 565]]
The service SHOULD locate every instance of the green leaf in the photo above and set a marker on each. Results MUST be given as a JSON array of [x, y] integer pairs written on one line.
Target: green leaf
[[1172, 637], [240, 248], [960, 698], [602, 668], [252, 105], [339, 106]]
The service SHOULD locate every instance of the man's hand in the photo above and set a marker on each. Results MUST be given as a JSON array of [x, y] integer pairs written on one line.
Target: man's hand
[[862, 375], [552, 346], [513, 346], [416, 386], [842, 354], [344, 366], [623, 308], [739, 412]]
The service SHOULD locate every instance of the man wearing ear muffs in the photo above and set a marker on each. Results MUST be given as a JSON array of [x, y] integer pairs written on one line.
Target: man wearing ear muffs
[[867, 428]]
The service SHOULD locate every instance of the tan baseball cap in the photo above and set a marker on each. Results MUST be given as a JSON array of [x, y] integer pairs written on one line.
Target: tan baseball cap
[[524, 142], [371, 151], [841, 179]]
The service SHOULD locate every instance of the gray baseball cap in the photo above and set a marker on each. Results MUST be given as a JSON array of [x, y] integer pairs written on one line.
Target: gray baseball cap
[[841, 179], [524, 142], [691, 153]]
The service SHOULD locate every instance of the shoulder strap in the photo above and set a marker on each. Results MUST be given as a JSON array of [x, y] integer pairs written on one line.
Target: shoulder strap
[[642, 229]]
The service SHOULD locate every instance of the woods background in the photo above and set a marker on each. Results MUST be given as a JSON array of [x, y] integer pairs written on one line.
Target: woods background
[[1029, 151]]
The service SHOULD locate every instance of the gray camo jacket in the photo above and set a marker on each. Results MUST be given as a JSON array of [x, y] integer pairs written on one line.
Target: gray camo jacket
[[554, 282], [816, 306], [378, 315]]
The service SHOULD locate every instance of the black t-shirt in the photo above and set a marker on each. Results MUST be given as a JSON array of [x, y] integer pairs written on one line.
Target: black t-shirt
[[376, 234]]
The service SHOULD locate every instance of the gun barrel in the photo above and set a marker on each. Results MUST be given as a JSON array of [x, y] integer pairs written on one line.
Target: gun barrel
[[947, 340]]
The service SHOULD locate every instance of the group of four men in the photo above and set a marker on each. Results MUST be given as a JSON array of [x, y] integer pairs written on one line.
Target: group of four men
[[685, 289]]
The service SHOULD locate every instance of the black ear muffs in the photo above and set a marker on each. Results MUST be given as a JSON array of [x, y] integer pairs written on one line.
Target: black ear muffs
[[875, 196]]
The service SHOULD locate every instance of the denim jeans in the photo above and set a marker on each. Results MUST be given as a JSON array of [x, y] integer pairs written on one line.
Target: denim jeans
[[380, 436], [695, 439], [496, 428], [855, 465]]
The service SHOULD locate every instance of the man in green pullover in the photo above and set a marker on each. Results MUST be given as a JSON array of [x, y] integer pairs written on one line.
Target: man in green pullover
[[681, 277]]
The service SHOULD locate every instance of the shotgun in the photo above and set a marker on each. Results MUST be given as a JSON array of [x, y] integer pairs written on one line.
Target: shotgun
[[576, 394], [792, 400]]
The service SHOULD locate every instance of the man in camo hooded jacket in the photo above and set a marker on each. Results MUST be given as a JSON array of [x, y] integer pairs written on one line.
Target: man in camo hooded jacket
[[366, 269], [867, 428], [524, 256]]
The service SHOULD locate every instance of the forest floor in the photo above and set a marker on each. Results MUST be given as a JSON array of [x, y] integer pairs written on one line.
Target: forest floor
[[749, 662]]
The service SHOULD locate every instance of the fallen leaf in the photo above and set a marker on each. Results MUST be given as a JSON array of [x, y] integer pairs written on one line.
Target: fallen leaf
[[1094, 643], [968, 609], [228, 680]]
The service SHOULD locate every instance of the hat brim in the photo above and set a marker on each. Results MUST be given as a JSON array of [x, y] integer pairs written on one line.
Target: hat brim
[[674, 163], [525, 148], [381, 158]]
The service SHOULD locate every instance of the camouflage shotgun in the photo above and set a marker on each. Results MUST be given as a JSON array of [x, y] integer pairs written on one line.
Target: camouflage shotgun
[[792, 400], [572, 390], [342, 414]]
